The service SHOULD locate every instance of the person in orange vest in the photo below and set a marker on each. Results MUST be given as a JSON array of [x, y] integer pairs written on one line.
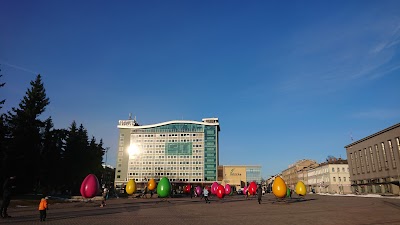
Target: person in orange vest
[[43, 207]]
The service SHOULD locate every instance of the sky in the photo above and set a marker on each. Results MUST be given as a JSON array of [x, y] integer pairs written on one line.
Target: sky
[[288, 80]]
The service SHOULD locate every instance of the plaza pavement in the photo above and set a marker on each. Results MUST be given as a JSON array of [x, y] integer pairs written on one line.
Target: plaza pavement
[[232, 210]]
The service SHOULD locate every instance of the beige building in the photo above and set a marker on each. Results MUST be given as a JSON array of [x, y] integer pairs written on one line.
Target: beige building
[[291, 174], [329, 177], [240, 176], [374, 162]]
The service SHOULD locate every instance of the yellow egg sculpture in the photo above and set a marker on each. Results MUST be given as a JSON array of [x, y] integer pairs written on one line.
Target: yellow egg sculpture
[[279, 187], [301, 188], [151, 185], [130, 187]]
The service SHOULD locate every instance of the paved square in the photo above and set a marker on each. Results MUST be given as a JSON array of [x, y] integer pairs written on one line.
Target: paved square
[[313, 209]]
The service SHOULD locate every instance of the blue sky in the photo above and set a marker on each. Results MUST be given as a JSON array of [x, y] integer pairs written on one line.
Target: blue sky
[[288, 80]]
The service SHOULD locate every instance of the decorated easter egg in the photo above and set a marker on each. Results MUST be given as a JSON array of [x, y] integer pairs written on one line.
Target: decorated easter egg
[[90, 186], [151, 185], [301, 188], [252, 188], [198, 190], [163, 187], [288, 191], [279, 187], [130, 187], [220, 192], [245, 190], [187, 188], [214, 188], [228, 189]]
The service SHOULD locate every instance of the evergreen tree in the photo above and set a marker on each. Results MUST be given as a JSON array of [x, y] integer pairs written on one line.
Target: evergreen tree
[[25, 137], [1, 85]]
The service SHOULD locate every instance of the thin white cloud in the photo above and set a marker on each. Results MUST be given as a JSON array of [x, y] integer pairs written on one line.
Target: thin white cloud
[[377, 114], [18, 67]]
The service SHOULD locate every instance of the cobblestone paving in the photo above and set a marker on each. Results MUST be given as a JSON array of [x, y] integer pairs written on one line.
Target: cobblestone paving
[[232, 210]]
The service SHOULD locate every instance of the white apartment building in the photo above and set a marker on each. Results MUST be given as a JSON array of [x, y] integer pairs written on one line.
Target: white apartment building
[[181, 150]]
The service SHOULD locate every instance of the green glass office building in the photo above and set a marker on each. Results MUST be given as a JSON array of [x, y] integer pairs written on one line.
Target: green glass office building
[[182, 150]]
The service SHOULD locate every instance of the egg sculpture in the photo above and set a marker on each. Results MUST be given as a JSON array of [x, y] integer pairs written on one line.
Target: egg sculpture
[[198, 190], [279, 187], [245, 190], [301, 188], [220, 192], [187, 188], [130, 187], [228, 189], [164, 188], [214, 188], [90, 186], [151, 185], [252, 188], [288, 192]]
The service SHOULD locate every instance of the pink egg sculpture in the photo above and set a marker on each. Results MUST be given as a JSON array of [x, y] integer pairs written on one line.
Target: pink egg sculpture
[[245, 190], [214, 188], [90, 186], [227, 189], [198, 190]]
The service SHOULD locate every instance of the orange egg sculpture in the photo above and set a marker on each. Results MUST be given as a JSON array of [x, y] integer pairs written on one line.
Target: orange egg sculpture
[[130, 187], [151, 185], [301, 188], [279, 187]]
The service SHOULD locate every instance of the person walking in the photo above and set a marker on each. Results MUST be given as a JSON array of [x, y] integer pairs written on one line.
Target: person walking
[[7, 191], [259, 193], [205, 194], [43, 207], [104, 197]]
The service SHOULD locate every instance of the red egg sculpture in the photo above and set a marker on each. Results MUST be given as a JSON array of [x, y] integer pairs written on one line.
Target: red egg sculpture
[[187, 188], [220, 192], [90, 186], [214, 188], [227, 189], [252, 188]]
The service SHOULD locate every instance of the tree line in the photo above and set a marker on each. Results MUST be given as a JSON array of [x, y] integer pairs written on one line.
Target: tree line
[[44, 159]]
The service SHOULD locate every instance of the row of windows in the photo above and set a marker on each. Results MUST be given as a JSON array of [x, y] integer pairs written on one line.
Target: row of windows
[[164, 135], [163, 162], [162, 174], [360, 160], [166, 168], [340, 179], [165, 140], [338, 169]]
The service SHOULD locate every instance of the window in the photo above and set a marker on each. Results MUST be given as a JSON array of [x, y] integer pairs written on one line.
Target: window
[[357, 163], [334, 179], [385, 156], [378, 157], [344, 178], [372, 158], [353, 165], [361, 161], [333, 169], [366, 159], [392, 154]]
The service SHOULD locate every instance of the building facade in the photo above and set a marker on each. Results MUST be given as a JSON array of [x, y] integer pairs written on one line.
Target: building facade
[[374, 162], [330, 177], [291, 174], [240, 176], [182, 150]]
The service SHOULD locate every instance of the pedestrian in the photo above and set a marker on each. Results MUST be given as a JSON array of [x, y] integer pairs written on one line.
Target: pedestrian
[[205, 193], [43, 207], [247, 194], [259, 193], [104, 197], [7, 191]]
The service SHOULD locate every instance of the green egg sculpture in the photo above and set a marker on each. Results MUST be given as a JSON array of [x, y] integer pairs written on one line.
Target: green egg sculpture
[[164, 188]]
